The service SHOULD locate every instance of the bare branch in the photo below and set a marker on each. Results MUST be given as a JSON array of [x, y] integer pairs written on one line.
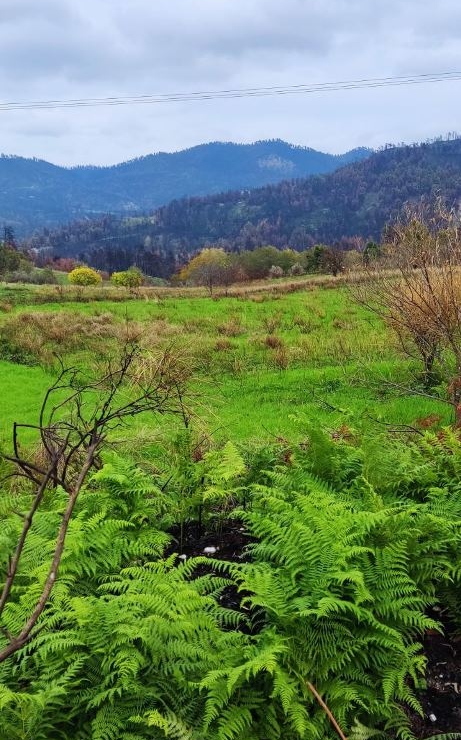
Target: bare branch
[[72, 432], [416, 289]]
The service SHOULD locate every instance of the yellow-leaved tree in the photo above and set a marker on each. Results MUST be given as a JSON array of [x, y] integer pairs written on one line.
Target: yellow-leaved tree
[[211, 267]]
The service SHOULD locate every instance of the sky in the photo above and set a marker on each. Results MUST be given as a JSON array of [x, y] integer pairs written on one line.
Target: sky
[[62, 49]]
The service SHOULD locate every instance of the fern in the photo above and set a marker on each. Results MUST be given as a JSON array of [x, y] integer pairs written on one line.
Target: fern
[[134, 645], [347, 587]]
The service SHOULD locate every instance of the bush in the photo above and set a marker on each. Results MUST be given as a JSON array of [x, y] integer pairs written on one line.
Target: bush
[[84, 276], [276, 271], [33, 276], [132, 278], [155, 282], [297, 269]]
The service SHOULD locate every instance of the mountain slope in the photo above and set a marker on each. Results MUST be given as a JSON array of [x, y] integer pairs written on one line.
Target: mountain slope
[[356, 200], [36, 194]]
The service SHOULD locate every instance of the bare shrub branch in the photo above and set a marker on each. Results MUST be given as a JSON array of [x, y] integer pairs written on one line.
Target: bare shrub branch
[[416, 288], [75, 419]]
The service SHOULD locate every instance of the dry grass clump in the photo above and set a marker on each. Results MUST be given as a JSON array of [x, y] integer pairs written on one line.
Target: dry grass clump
[[231, 328], [198, 325], [339, 323], [272, 322], [305, 325], [224, 345], [39, 335], [281, 357], [319, 312], [157, 331], [272, 341]]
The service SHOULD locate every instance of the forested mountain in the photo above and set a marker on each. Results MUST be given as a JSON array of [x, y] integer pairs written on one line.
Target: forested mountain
[[356, 200], [36, 194]]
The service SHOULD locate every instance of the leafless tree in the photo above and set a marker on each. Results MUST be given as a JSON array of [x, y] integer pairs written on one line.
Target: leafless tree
[[75, 419], [416, 287]]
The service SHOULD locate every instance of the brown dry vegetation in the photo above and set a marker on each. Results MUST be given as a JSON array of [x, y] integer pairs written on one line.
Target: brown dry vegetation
[[420, 299], [43, 335]]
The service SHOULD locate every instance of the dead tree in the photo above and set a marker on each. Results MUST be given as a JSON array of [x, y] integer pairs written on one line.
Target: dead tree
[[75, 419], [415, 286]]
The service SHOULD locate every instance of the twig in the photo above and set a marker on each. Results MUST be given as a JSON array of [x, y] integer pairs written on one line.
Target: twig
[[327, 711]]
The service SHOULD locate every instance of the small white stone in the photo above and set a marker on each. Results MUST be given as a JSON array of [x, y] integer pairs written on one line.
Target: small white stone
[[210, 550], [433, 718]]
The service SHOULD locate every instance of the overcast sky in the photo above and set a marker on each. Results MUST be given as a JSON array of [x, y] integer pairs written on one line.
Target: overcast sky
[[58, 49]]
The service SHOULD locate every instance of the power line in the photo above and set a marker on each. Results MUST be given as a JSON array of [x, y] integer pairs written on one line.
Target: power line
[[250, 92]]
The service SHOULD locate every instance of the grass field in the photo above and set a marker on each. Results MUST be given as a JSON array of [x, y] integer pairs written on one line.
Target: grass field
[[265, 362]]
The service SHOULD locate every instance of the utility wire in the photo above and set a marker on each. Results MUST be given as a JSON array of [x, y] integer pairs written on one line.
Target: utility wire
[[250, 92]]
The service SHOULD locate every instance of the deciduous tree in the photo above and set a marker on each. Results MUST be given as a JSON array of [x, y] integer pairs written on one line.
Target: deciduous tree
[[210, 268]]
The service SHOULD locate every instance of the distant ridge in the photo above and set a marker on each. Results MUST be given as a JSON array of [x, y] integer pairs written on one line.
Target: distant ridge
[[35, 194], [356, 200]]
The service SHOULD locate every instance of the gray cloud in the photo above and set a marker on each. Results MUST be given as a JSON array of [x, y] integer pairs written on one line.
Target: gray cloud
[[56, 49]]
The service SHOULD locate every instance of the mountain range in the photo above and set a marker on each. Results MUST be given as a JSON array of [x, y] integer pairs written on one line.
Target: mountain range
[[356, 200], [35, 194]]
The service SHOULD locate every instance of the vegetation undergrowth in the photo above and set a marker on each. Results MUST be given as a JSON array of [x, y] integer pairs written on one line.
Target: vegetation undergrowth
[[156, 625], [351, 543]]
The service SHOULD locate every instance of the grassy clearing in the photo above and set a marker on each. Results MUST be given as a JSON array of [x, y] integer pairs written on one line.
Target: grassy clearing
[[21, 391], [264, 362]]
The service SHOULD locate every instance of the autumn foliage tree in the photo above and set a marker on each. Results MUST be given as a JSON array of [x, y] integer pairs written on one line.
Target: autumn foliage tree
[[212, 267]]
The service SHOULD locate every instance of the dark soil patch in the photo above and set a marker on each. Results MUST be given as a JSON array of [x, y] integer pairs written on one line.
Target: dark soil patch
[[441, 700], [228, 540]]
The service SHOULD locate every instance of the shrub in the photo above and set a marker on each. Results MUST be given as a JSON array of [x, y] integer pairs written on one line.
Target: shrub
[[35, 276], [155, 282], [276, 271], [297, 269], [84, 276], [132, 278]]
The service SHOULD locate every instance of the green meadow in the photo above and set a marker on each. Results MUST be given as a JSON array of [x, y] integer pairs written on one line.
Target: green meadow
[[264, 363]]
